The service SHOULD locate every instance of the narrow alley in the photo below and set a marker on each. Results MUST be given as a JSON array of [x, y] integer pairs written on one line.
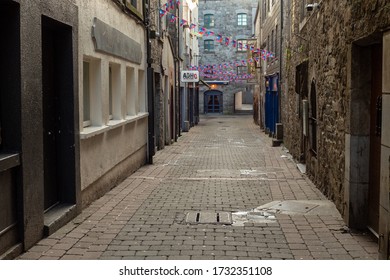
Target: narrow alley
[[220, 192]]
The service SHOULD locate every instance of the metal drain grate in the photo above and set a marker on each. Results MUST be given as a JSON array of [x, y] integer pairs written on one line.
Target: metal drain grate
[[223, 218]]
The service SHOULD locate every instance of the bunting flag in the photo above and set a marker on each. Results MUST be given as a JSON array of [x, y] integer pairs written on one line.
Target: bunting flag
[[172, 18], [162, 13], [227, 41]]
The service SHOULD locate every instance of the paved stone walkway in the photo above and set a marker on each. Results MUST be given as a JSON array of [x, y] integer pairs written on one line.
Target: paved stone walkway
[[225, 164]]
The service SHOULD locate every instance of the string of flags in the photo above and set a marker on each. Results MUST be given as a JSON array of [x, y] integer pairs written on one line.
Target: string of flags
[[205, 70]]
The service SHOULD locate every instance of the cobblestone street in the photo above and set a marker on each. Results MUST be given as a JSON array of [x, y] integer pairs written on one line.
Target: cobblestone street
[[223, 165]]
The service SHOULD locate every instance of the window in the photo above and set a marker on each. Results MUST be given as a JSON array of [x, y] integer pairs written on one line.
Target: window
[[134, 3], [92, 92], [110, 103], [114, 92], [264, 11], [242, 70], [242, 45], [276, 42], [242, 20], [131, 97], [141, 91], [86, 94], [209, 45], [209, 20]]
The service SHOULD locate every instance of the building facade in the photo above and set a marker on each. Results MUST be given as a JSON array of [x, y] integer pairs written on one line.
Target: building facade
[[74, 110], [190, 56], [336, 106], [164, 64], [40, 186], [269, 37], [223, 54]]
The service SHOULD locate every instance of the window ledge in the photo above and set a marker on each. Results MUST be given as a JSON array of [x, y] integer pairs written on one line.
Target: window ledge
[[92, 131], [130, 119], [8, 161]]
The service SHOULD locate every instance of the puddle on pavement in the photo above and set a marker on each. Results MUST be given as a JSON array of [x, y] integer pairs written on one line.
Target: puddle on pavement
[[267, 212]]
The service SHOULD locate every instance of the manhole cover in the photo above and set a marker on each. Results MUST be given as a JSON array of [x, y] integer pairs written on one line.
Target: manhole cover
[[201, 217]]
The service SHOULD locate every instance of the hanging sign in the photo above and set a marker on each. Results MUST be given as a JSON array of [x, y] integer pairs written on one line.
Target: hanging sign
[[187, 76]]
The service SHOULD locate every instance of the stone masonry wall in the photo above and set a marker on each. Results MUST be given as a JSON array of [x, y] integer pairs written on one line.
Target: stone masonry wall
[[324, 40], [225, 12]]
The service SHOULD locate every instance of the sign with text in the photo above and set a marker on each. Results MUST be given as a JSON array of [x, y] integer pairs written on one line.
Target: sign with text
[[188, 76]]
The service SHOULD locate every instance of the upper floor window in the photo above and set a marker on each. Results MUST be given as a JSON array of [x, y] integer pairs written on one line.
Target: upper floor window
[[209, 45], [134, 3], [242, 20], [242, 45], [209, 20]]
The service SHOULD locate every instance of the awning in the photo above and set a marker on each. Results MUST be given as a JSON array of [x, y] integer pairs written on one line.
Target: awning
[[217, 82], [203, 82]]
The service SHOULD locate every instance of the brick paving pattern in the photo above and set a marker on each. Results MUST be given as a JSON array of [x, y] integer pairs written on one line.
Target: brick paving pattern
[[224, 164]]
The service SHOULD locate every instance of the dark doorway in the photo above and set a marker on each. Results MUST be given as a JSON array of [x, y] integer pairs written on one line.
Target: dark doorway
[[171, 114], [58, 114], [10, 127], [375, 137], [213, 100]]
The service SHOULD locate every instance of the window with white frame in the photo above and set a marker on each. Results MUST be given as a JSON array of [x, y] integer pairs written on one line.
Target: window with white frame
[[92, 92], [141, 91], [242, 19], [110, 109], [114, 92], [131, 90], [86, 94]]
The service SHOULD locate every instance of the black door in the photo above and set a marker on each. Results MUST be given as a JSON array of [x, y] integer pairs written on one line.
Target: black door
[[58, 113]]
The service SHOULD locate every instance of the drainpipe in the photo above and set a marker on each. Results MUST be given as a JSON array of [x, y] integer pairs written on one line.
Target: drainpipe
[[281, 59], [178, 76], [150, 90]]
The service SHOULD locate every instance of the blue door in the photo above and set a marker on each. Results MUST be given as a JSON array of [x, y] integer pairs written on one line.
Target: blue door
[[213, 101], [271, 104]]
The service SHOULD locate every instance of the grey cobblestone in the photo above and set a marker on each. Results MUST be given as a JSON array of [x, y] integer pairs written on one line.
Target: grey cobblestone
[[143, 218]]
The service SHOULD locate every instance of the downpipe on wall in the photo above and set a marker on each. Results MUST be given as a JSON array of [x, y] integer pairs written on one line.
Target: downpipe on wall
[[150, 88]]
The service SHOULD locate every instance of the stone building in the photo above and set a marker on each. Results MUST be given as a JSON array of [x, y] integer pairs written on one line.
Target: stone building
[[231, 29], [40, 186], [164, 63], [336, 105], [269, 25]]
